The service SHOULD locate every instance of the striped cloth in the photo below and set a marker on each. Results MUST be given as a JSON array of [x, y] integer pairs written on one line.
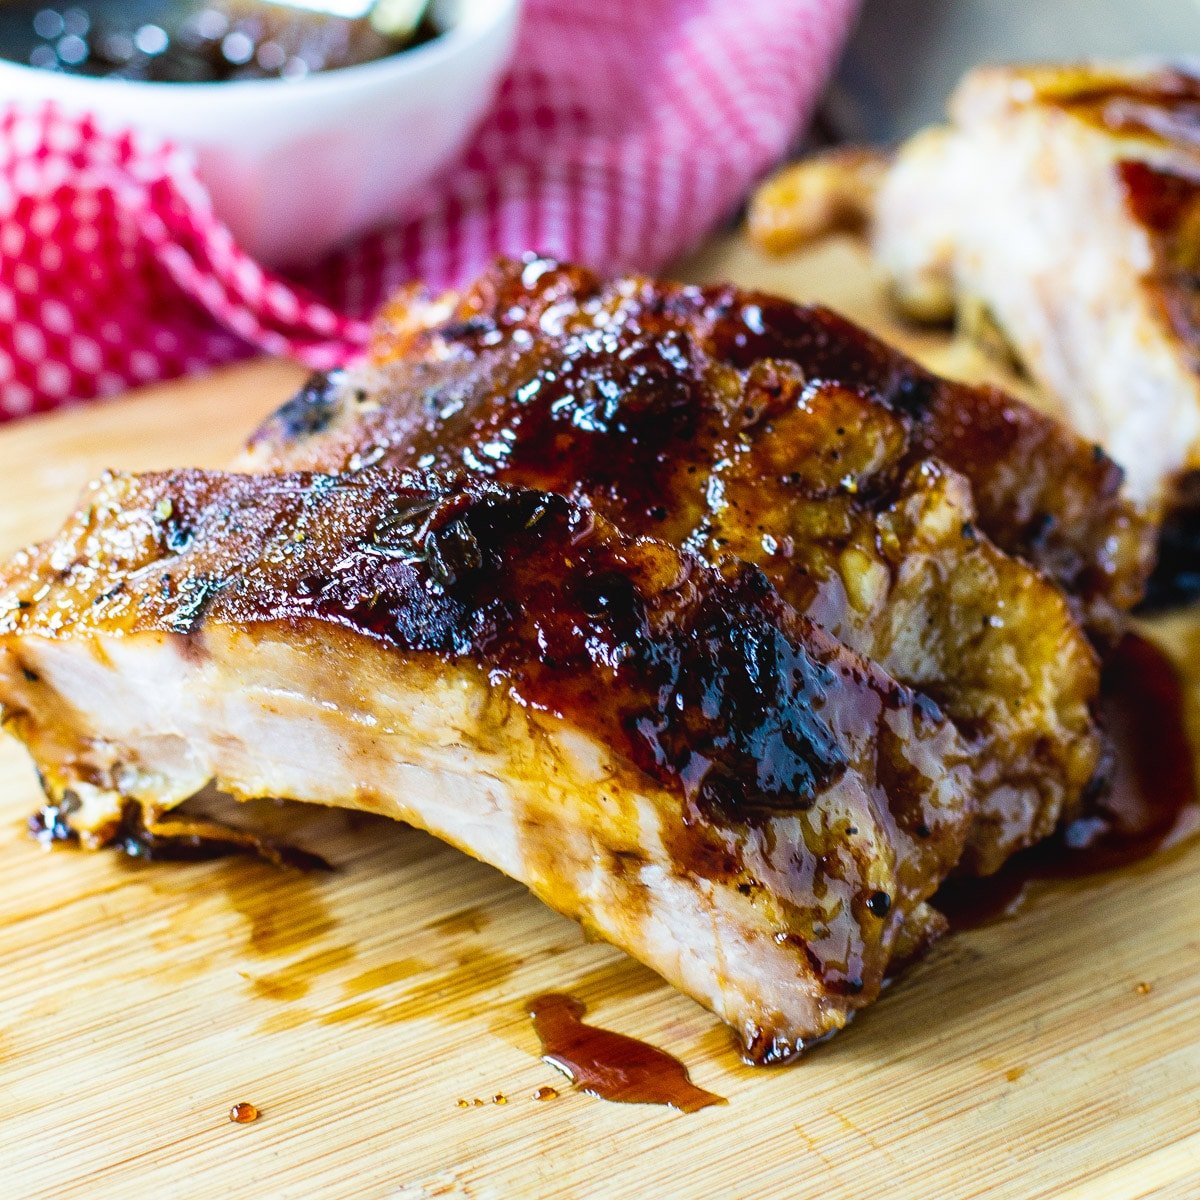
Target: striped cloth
[[623, 133]]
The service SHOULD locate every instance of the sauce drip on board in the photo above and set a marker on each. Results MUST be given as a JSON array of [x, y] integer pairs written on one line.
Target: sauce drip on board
[[610, 1065], [1151, 804]]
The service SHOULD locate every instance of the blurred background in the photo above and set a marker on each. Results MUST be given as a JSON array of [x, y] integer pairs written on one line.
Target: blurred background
[[188, 182], [905, 56]]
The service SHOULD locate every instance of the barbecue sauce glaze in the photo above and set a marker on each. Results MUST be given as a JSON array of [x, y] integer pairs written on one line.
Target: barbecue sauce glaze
[[1150, 804]]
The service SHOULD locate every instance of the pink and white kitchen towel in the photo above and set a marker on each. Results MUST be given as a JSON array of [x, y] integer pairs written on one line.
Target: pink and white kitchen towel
[[623, 133]]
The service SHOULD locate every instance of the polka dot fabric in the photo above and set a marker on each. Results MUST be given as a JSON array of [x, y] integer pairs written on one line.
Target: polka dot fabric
[[621, 136]]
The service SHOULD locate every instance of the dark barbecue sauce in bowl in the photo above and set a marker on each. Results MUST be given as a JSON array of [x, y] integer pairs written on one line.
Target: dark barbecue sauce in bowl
[[192, 41]]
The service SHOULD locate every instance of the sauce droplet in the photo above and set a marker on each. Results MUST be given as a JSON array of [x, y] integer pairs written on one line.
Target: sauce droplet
[[243, 1113], [1152, 803], [546, 1093], [610, 1065], [1143, 989]]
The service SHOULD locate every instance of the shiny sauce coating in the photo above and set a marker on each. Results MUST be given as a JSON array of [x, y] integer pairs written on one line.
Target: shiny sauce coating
[[1150, 803]]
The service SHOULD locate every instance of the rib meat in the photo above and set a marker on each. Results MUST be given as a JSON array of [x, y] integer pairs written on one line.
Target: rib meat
[[656, 746], [736, 424], [1063, 204]]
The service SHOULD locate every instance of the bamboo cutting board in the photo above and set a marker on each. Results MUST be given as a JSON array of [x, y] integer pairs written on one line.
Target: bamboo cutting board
[[137, 1003]]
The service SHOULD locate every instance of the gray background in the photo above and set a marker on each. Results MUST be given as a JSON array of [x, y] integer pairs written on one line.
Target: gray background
[[906, 55]]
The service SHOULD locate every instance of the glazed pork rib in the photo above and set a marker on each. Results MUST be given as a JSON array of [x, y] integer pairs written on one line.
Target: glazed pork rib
[[737, 424], [658, 747], [722, 626]]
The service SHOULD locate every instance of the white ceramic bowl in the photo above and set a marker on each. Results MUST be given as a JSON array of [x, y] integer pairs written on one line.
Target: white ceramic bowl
[[298, 166]]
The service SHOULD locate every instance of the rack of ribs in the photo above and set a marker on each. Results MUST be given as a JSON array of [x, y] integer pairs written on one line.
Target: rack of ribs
[[723, 627]]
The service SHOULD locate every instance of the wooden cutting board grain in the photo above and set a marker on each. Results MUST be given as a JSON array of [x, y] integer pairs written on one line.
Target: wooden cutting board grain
[[1055, 1055]]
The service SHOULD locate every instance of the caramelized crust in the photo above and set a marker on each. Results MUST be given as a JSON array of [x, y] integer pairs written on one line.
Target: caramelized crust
[[1042, 493], [739, 425], [722, 626], [825, 799]]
